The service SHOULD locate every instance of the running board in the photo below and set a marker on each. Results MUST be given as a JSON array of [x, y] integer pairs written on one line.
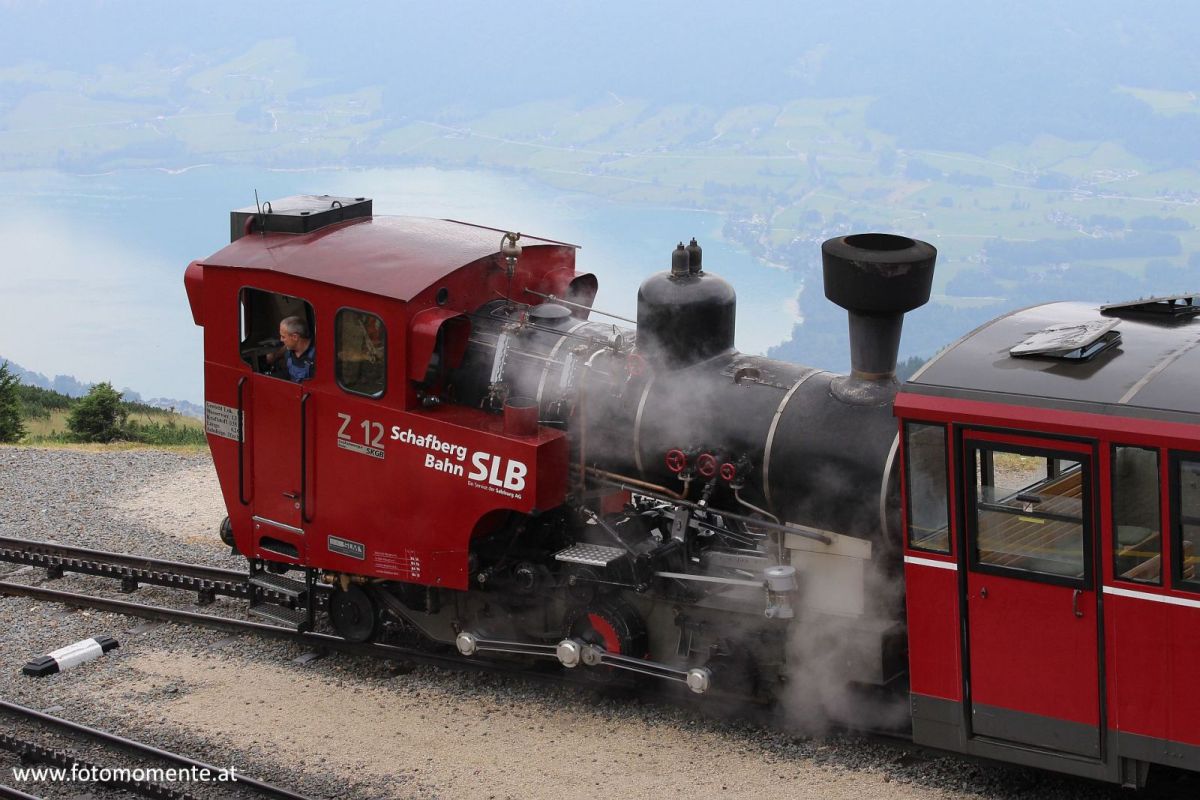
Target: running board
[[572, 653]]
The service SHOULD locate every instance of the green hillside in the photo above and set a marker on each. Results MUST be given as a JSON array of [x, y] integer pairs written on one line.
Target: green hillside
[[45, 415]]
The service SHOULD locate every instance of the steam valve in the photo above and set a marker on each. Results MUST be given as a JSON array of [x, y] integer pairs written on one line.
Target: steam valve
[[636, 364], [511, 252], [706, 465], [729, 471], [676, 461]]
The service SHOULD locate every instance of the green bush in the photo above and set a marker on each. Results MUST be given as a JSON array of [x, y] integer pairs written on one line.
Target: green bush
[[11, 428], [164, 433], [37, 403], [99, 416]]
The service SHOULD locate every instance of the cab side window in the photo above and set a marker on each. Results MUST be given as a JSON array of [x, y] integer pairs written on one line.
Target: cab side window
[[262, 314], [361, 345], [1137, 545]]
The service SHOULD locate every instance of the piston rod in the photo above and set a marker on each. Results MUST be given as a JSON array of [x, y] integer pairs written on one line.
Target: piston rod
[[573, 652]]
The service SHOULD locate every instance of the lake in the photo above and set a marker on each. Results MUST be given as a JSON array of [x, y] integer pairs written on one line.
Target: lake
[[93, 279]]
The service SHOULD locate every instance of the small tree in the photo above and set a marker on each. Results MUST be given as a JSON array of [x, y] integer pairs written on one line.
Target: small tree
[[11, 428], [99, 416]]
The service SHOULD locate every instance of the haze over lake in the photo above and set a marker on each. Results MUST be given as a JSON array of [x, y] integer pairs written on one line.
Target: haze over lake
[[1049, 151], [94, 287]]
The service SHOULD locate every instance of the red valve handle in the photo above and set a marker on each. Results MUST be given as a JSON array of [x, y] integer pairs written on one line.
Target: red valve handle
[[636, 365], [676, 461], [706, 465], [728, 471]]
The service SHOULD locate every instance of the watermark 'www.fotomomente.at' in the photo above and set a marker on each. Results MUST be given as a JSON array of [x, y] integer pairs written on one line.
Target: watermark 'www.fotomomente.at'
[[79, 773]]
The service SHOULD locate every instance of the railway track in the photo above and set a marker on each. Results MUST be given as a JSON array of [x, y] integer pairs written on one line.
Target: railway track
[[152, 762], [131, 570], [207, 582]]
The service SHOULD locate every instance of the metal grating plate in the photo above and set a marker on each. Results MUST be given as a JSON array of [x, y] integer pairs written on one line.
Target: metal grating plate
[[596, 555]]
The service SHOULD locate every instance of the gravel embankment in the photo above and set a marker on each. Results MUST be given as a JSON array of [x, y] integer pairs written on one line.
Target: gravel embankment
[[358, 728]]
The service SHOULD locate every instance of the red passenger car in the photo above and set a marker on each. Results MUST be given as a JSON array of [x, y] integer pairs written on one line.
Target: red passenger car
[[1052, 510]]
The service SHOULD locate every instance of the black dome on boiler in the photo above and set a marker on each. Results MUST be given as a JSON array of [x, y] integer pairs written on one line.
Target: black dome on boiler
[[685, 315]]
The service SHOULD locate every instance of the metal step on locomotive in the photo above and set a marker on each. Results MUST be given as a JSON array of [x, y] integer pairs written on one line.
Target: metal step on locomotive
[[483, 457]]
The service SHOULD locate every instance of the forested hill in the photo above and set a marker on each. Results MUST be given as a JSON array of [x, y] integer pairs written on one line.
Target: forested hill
[[944, 74], [68, 386], [1048, 150]]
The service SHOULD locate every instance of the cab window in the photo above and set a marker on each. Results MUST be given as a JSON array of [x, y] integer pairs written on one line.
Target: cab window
[[263, 315], [361, 346], [1137, 538]]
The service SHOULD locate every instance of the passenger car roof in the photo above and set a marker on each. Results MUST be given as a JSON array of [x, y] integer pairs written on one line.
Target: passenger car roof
[[1154, 370]]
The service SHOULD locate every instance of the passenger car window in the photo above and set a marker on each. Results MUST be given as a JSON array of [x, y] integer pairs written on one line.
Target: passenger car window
[[1137, 535], [361, 344], [1187, 523], [925, 479], [1029, 512]]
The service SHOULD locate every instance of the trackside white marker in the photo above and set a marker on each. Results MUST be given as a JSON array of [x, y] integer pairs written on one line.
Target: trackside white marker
[[67, 657]]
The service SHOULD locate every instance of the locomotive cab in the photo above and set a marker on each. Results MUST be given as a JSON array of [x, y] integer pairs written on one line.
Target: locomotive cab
[[312, 471]]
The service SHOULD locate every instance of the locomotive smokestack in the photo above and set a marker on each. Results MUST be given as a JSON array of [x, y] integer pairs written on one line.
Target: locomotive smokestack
[[877, 277]]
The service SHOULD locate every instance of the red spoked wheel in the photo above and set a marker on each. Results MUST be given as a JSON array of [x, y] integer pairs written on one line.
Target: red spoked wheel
[[728, 471], [676, 461], [706, 465], [613, 625]]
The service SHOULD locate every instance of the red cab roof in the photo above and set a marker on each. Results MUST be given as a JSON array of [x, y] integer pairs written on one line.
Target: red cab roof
[[395, 257]]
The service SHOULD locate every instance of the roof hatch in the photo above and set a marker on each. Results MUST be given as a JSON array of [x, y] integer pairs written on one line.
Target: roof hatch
[[1171, 307], [1078, 341], [300, 213]]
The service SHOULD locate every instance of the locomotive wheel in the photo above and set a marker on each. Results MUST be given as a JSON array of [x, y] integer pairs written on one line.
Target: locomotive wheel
[[226, 532], [582, 583], [352, 614], [613, 625]]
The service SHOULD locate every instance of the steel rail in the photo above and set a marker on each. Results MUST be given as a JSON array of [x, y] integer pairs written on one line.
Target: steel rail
[[31, 751], [718, 702], [141, 748], [8, 543], [230, 625], [135, 570]]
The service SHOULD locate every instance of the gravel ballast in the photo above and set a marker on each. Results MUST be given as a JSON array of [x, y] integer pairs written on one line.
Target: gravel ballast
[[342, 726]]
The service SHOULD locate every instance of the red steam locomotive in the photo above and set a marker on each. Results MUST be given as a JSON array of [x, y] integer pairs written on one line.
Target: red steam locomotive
[[477, 457]]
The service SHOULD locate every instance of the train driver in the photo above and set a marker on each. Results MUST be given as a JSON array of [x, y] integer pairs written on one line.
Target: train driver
[[298, 348]]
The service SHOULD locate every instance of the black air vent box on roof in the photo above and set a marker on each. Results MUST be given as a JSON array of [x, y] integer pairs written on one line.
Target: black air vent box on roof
[[1171, 307], [300, 213], [1079, 341]]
